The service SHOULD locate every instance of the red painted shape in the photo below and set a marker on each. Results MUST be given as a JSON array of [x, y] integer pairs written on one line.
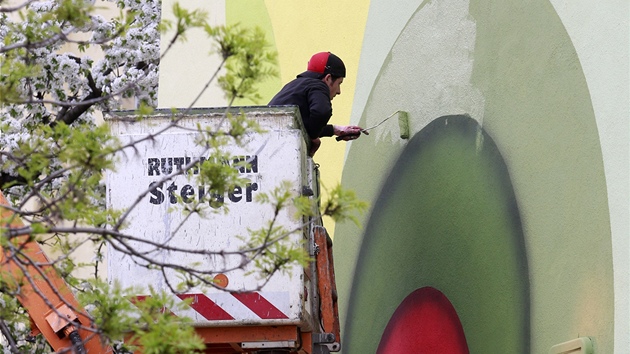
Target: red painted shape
[[206, 307], [260, 306], [139, 298], [424, 323]]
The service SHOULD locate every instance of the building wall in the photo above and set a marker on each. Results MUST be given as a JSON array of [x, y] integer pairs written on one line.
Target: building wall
[[187, 66], [547, 86], [510, 199]]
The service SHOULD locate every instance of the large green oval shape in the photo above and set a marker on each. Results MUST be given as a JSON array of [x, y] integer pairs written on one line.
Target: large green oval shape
[[446, 217]]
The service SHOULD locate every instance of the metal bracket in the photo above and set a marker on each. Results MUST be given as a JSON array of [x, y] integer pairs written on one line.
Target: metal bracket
[[324, 343], [269, 345], [60, 317], [307, 191]]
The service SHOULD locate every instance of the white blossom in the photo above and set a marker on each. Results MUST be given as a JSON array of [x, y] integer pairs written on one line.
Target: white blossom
[[128, 67]]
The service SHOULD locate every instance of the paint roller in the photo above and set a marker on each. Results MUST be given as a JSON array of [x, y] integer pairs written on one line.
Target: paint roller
[[403, 125]]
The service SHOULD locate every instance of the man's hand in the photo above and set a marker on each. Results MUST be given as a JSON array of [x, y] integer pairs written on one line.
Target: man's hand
[[347, 132]]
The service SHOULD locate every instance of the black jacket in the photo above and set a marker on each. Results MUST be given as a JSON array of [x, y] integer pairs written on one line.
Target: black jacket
[[312, 96]]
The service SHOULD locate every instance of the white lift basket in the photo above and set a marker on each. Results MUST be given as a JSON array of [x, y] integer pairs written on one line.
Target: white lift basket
[[159, 217]]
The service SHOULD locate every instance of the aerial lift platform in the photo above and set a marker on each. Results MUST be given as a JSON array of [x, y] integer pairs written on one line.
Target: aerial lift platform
[[292, 312]]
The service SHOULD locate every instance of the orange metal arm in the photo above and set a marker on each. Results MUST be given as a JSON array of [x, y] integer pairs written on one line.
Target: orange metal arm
[[43, 293], [326, 283]]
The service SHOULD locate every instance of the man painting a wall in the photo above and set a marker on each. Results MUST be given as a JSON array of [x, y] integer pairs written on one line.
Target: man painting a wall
[[312, 91]]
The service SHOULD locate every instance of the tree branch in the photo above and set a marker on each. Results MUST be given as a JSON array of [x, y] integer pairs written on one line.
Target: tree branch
[[4, 329], [70, 115]]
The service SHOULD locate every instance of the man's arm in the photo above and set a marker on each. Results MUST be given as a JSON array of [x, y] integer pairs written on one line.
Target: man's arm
[[320, 111]]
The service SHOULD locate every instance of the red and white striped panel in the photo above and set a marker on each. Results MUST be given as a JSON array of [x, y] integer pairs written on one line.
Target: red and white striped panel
[[225, 306]]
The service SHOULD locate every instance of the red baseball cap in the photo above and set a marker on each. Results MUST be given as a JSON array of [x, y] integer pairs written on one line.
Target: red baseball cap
[[327, 63]]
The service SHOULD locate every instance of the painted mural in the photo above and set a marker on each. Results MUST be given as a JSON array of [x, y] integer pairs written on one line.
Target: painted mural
[[501, 224], [447, 218]]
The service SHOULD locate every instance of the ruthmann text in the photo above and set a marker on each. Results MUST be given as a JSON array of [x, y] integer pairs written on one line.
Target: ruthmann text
[[172, 192]]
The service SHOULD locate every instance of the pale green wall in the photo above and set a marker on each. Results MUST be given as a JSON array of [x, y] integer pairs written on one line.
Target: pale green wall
[[512, 66], [601, 35], [551, 142]]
